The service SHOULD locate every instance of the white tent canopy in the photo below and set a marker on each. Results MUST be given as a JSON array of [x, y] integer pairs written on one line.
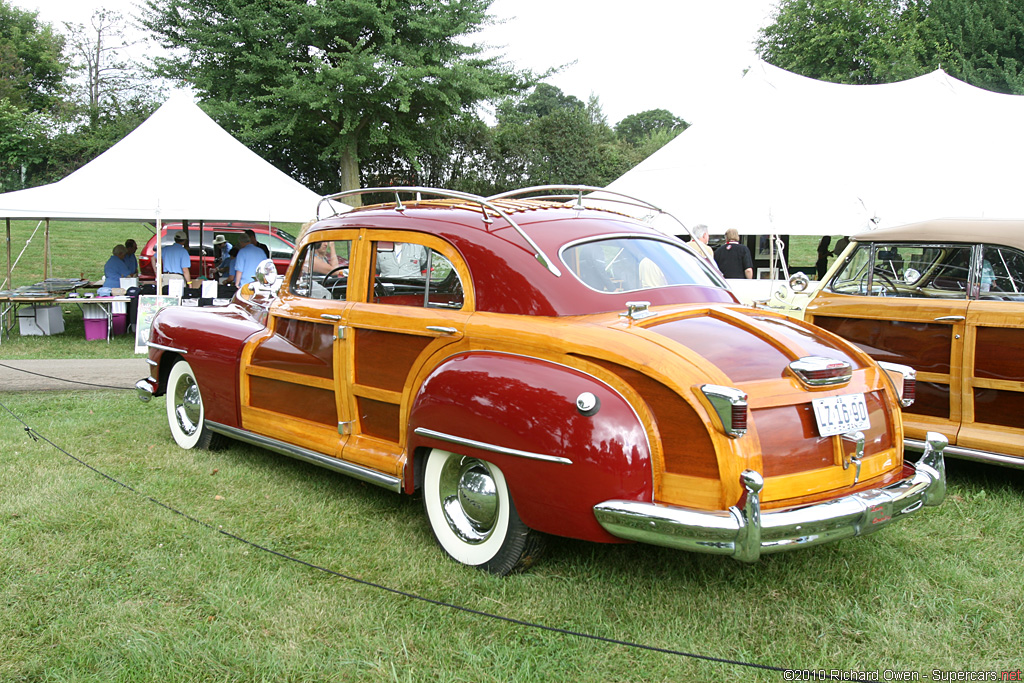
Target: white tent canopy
[[177, 165], [790, 155]]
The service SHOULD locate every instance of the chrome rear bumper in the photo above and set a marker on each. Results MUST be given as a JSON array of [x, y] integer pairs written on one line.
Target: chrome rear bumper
[[746, 533]]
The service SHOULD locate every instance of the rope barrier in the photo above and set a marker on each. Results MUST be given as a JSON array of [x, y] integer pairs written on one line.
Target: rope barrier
[[63, 379], [803, 674]]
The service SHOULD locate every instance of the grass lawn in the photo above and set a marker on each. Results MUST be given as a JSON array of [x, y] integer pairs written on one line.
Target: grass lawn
[[101, 582]]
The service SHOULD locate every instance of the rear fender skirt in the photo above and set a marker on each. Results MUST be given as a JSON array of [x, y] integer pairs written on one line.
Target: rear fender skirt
[[564, 440]]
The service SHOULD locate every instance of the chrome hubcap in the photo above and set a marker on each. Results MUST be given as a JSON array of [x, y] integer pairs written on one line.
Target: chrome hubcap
[[469, 498], [188, 405]]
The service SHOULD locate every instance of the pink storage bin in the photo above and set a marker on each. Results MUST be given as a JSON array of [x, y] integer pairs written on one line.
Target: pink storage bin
[[95, 328]]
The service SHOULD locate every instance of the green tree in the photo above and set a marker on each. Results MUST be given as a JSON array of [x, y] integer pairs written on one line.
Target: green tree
[[979, 41], [637, 128], [32, 90], [550, 138], [32, 65], [310, 84], [846, 41], [23, 146]]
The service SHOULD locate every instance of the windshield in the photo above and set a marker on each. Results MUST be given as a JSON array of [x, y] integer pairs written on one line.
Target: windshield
[[626, 264]]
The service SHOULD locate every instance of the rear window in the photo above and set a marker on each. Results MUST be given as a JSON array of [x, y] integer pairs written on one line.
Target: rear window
[[626, 264]]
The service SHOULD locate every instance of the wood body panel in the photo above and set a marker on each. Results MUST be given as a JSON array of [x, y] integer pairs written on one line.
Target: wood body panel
[[970, 383]]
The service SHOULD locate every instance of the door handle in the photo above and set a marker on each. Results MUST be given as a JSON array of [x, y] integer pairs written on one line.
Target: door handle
[[950, 318], [331, 317], [442, 330]]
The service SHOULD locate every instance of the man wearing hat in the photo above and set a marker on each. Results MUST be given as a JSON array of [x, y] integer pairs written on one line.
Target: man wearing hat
[[177, 260], [222, 250]]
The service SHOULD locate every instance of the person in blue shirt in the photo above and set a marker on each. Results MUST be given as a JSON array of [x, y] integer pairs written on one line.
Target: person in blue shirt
[[224, 266], [130, 261], [115, 268], [176, 259], [248, 257]]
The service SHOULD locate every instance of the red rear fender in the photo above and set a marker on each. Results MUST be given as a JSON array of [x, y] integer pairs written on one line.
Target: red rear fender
[[521, 414]]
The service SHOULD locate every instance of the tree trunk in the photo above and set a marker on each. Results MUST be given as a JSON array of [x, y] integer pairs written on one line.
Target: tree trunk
[[348, 172]]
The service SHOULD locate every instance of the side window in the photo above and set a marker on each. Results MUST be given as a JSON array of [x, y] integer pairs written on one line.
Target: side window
[[407, 274], [321, 271], [279, 249], [1002, 274], [946, 272], [852, 279], [906, 270]]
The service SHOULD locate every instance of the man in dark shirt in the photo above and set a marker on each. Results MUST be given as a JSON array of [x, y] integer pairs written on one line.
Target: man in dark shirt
[[733, 258], [252, 239]]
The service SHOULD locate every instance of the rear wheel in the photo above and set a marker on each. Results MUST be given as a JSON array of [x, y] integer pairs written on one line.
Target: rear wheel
[[472, 514], [185, 412]]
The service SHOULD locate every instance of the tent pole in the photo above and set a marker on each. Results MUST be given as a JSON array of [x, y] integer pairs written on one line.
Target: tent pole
[[46, 250], [9, 282], [159, 254], [202, 254], [4, 308]]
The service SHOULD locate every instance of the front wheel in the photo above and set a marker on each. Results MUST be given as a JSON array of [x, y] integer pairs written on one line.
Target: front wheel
[[472, 515], [185, 413]]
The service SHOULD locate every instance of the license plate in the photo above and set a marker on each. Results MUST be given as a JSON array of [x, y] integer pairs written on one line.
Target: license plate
[[840, 414]]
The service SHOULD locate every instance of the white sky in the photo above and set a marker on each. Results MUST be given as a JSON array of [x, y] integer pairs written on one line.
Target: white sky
[[638, 55]]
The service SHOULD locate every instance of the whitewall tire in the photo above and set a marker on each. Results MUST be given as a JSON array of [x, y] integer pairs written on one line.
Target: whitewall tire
[[472, 514], [186, 415]]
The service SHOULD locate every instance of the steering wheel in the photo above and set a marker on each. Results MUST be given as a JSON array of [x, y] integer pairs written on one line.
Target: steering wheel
[[338, 280], [887, 281]]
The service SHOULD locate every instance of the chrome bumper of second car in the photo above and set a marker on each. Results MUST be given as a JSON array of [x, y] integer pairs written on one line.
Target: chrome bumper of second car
[[745, 533], [961, 453]]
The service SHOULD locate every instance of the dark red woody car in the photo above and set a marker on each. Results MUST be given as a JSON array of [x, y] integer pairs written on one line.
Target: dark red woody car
[[534, 367]]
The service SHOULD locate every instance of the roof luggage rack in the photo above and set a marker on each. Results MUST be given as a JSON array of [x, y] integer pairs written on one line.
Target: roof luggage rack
[[487, 207], [566, 193]]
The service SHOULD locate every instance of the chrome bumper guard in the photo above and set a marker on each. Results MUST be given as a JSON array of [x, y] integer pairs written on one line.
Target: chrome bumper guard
[[145, 389], [745, 533]]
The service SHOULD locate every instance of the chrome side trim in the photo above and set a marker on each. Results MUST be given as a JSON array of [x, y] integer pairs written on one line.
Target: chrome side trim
[[748, 532], [460, 441], [972, 454], [355, 471], [154, 345]]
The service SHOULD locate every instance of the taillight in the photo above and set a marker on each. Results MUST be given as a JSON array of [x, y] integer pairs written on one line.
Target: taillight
[[909, 375], [730, 406], [817, 371]]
